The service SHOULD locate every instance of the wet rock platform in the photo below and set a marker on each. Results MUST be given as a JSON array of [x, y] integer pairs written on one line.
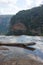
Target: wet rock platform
[[17, 59]]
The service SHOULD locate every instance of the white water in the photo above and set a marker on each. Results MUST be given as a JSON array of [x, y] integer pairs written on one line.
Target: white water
[[23, 39]]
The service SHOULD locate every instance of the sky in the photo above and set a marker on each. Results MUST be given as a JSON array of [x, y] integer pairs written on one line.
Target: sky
[[13, 6]]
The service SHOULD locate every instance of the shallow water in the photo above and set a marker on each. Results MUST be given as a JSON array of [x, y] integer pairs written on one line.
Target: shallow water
[[17, 52]]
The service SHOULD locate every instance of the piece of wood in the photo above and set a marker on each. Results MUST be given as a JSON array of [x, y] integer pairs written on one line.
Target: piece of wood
[[22, 45], [17, 44]]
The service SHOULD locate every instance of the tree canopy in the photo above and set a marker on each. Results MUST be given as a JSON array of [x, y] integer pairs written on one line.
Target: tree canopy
[[32, 19]]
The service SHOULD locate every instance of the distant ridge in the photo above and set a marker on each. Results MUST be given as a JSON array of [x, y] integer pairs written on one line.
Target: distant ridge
[[4, 23]]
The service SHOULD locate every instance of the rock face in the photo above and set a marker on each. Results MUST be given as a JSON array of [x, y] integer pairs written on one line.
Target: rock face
[[19, 28]]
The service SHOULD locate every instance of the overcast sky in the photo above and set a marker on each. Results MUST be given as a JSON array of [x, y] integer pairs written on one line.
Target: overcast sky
[[13, 6]]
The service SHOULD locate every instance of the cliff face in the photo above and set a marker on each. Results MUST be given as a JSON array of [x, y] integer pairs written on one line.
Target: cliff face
[[19, 26], [28, 22]]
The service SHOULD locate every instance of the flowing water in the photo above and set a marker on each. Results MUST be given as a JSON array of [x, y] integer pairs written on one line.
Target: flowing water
[[17, 52]]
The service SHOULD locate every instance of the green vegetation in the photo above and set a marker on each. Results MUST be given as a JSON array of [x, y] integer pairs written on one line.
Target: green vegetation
[[32, 19]]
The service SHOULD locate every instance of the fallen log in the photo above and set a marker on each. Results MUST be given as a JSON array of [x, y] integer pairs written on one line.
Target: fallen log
[[17, 44], [22, 45]]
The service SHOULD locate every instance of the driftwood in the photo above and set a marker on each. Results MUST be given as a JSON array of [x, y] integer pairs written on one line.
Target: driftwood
[[22, 45]]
